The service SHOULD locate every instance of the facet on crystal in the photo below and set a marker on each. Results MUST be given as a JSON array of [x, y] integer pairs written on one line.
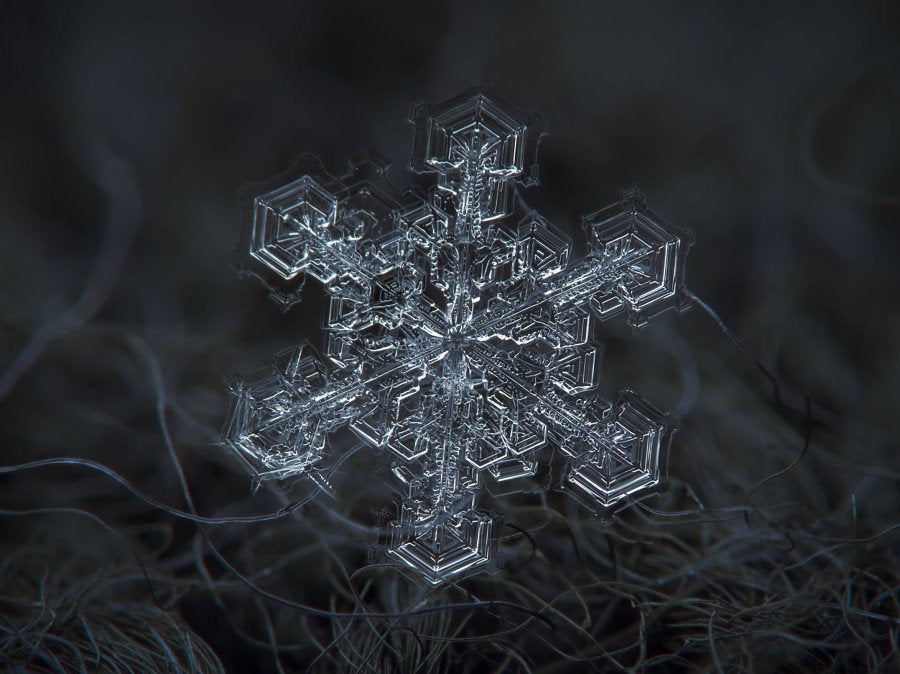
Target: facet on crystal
[[285, 219], [447, 550], [626, 463], [652, 281]]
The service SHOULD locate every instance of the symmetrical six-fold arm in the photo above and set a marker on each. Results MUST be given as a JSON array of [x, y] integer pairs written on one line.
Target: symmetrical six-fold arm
[[459, 332]]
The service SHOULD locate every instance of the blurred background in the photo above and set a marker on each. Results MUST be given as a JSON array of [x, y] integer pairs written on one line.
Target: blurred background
[[772, 130]]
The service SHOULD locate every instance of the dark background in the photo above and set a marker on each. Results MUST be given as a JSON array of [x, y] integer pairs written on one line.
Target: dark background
[[127, 131]]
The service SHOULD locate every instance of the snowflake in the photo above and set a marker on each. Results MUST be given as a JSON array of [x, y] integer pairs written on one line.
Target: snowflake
[[459, 333]]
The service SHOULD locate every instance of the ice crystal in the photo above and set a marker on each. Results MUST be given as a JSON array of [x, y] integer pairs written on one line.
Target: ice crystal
[[459, 333]]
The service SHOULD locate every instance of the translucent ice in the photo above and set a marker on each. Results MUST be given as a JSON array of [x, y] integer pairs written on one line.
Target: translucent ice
[[459, 332]]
